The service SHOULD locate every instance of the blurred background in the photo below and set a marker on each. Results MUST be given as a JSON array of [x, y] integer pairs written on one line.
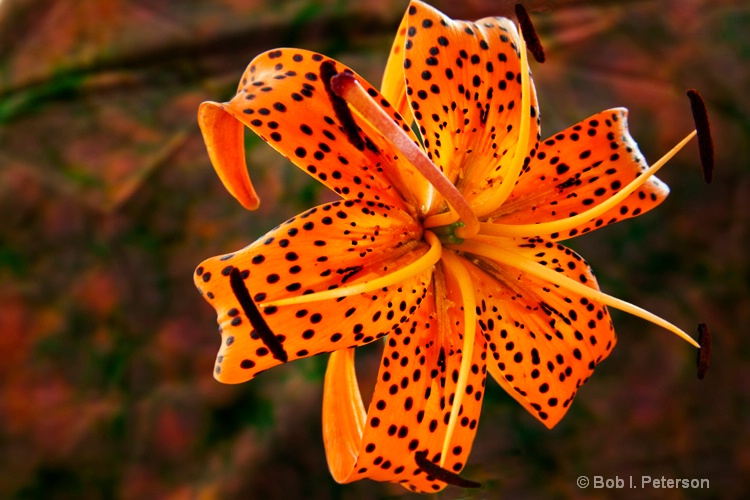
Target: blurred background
[[108, 202]]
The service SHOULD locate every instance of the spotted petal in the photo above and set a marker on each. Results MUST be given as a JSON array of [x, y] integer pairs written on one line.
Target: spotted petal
[[544, 342], [393, 86], [578, 169], [285, 98], [463, 83], [411, 405], [329, 246], [224, 139]]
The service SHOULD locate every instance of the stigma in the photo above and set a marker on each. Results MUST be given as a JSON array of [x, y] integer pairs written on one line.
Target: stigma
[[447, 234]]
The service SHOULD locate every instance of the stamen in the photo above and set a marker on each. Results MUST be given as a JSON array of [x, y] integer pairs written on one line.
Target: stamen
[[466, 286], [704, 353], [422, 264], [346, 86], [514, 169], [564, 225], [447, 234], [486, 246], [441, 474], [703, 127], [256, 319], [327, 72], [441, 219], [529, 34]]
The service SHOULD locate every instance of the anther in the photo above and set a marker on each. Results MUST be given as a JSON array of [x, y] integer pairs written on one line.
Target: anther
[[529, 34], [343, 113], [704, 353], [441, 474], [256, 319], [703, 127]]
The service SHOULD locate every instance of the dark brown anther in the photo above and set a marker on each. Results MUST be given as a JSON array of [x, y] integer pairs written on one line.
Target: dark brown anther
[[441, 474], [256, 319], [704, 353], [703, 128], [529, 34], [329, 76]]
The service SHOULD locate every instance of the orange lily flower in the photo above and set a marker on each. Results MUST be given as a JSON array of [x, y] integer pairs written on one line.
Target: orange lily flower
[[445, 241]]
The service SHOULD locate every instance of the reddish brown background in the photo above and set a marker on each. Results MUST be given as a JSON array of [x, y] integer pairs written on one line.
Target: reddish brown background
[[108, 201]]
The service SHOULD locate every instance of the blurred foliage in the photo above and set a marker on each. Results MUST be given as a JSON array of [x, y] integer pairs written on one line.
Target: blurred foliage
[[108, 201]]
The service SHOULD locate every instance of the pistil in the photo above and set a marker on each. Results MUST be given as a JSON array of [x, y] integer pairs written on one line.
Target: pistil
[[347, 87], [447, 234]]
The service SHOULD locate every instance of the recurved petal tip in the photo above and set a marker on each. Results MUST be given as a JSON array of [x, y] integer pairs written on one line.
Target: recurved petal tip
[[223, 135]]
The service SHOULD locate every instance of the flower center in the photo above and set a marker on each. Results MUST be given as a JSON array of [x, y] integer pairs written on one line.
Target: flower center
[[447, 234], [346, 86]]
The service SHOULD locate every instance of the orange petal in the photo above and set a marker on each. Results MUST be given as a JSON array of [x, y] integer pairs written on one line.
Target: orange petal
[[393, 86], [413, 397], [465, 92], [283, 99], [576, 170], [343, 414], [328, 246], [544, 342], [223, 135]]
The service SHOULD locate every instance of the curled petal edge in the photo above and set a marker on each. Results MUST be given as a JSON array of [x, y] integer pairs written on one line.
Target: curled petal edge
[[224, 138], [342, 435]]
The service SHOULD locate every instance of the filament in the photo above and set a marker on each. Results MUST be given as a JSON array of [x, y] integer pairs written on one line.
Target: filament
[[422, 264], [512, 259], [514, 169], [562, 225], [466, 287]]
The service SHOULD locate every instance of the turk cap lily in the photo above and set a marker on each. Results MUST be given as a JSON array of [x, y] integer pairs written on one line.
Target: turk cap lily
[[445, 241]]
